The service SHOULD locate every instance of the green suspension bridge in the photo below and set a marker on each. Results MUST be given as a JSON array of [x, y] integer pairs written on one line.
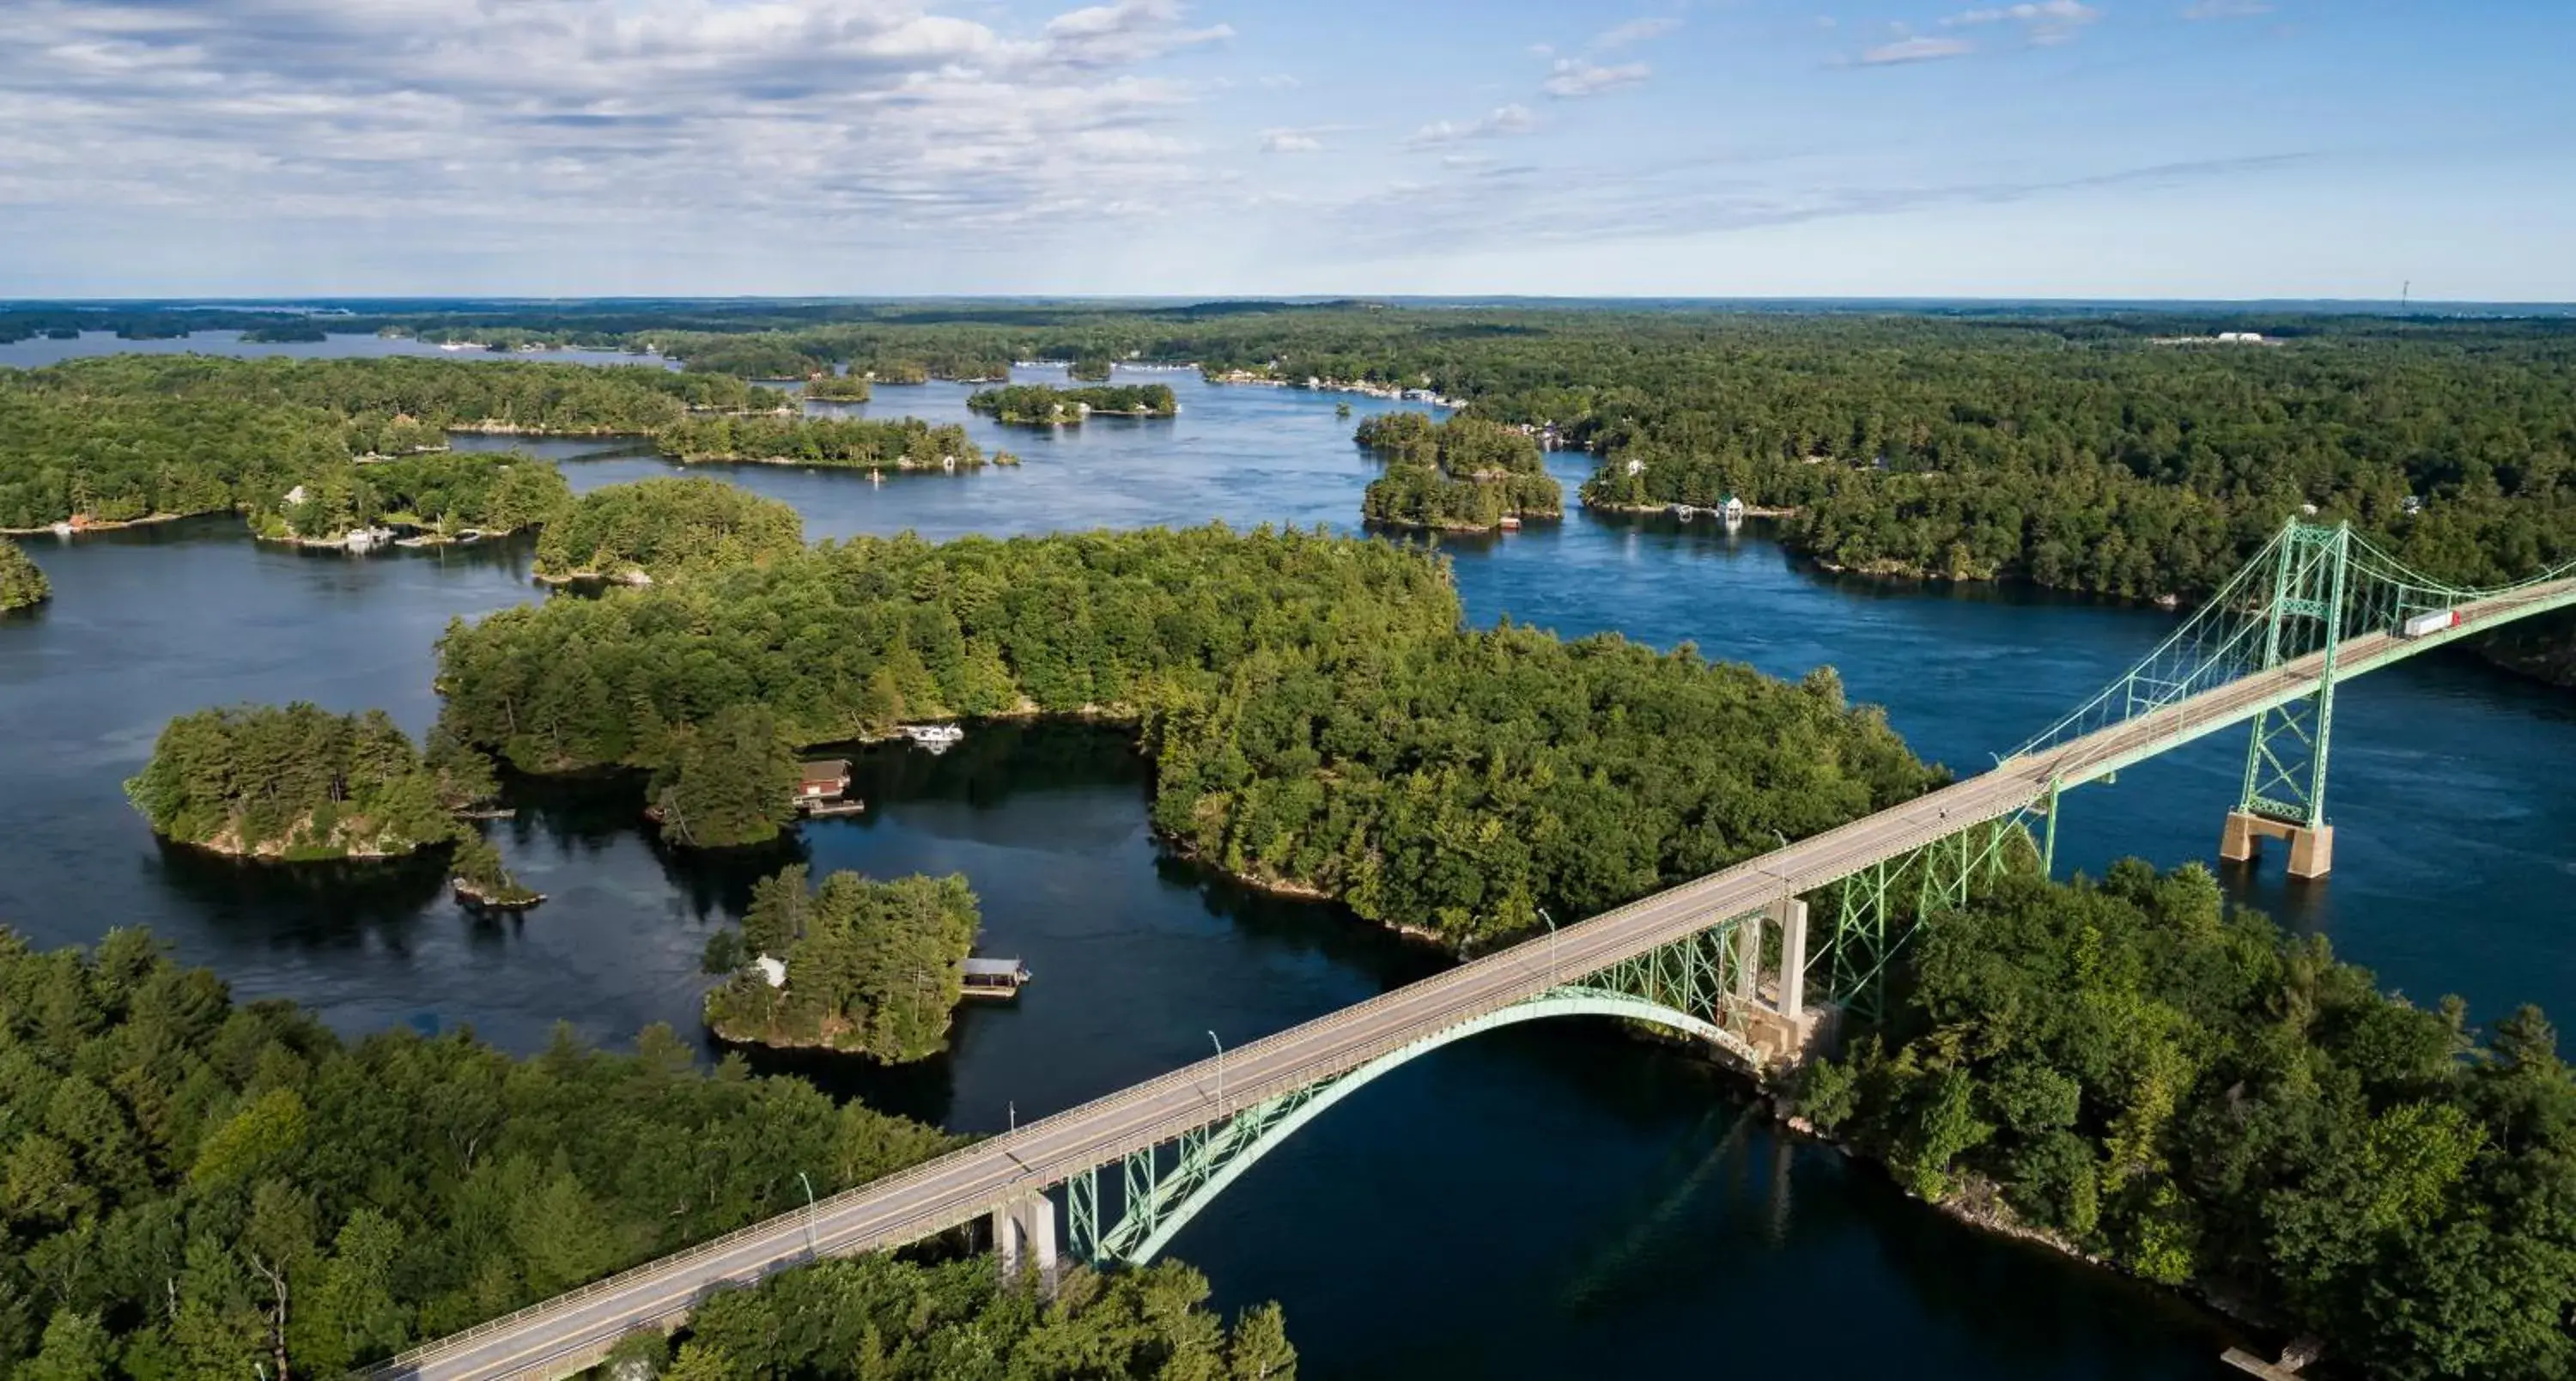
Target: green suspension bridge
[[1731, 960]]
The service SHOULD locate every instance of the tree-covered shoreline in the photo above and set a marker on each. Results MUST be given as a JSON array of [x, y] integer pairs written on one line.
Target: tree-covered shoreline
[[2140, 1073], [1320, 718], [195, 1187], [22, 581]]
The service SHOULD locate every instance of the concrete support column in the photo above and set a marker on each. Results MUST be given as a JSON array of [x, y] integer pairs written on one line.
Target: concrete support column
[[2312, 852], [1791, 913], [2311, 846], [1748, 959], [2236, 838], [1024, 1239]]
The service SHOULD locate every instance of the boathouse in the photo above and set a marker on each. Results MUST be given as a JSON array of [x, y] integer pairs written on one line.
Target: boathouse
[[994, 978], [820, 783]]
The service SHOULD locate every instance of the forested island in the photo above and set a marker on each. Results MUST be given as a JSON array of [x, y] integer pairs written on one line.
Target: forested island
[[297, 784], [1320, 719], [1464, 474], [196, 1187], [871, 967], [22, 582], [440, 497], [901, 443], [116, 439], [1043, 405], [838, 388], [659, 528], [2141, 1073]]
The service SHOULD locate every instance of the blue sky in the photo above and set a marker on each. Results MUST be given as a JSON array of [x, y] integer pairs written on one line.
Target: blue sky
[[2092, 148]]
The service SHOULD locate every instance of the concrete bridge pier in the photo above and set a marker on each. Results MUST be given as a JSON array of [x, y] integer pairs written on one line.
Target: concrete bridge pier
[[1024, 1239], [2311, 846], [1782, 1030]]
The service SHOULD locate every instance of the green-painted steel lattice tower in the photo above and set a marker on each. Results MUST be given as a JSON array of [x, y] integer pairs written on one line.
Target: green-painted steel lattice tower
[[2303, 615]]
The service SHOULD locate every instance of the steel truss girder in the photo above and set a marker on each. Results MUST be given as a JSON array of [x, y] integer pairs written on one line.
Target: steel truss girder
[[1867, 917]]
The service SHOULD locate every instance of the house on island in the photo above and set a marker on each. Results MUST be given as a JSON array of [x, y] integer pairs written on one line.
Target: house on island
[[1732, 510], [774, 970], [994, 978]]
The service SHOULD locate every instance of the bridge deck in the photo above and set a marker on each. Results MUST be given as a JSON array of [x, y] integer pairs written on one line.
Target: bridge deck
[[963, 1185]]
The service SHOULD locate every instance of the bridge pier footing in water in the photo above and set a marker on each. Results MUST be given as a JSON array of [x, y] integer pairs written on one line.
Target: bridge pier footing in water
[[1024, 1239], [2311, 846]]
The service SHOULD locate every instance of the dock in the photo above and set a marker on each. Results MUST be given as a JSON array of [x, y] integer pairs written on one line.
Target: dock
[[2298, 1354]]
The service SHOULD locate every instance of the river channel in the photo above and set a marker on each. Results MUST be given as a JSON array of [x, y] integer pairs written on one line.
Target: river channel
[[1533, 1203]]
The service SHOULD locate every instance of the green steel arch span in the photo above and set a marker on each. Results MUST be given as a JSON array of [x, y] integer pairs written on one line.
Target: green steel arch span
[[1163, 1193]]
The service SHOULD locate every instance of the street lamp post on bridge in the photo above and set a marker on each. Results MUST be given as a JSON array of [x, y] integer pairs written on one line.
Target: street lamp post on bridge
[[1220, 1072]]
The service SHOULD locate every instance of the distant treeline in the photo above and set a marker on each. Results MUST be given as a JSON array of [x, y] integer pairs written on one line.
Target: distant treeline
[[315, 449], [2125, 451], [117, 438]]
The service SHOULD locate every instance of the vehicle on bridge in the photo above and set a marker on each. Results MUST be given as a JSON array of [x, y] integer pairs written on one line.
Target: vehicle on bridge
[[2425, 625]]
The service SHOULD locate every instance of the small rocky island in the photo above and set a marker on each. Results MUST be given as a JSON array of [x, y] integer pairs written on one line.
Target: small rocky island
[[871, 968]]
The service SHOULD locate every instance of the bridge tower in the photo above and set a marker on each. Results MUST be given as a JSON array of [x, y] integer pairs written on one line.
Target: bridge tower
[[2301, 612]]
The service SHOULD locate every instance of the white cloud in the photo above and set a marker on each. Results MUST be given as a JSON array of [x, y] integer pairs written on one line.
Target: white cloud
[[1916, 49], [1499, 122], [1280, 81], [1125, 31], [1634, 31], [849, 121], [2226, 9], [1575, 77], [2036, 12], [2043, 21], [1290, 141]]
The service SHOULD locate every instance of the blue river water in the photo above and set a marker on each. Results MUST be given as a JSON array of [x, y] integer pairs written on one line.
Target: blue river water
[[1536, 1202]]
